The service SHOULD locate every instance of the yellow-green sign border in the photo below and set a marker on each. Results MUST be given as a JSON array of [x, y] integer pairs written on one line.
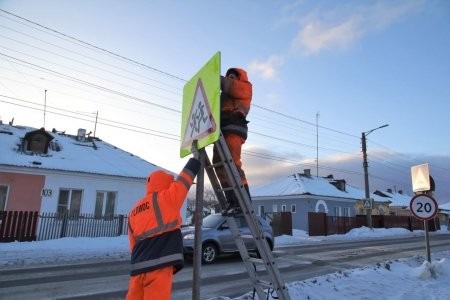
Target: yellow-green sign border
[[209, 77]]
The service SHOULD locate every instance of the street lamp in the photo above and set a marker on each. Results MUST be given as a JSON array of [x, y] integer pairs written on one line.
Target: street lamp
[[366, 173]]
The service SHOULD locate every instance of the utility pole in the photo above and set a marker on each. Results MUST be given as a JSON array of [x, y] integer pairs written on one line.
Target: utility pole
[[317, 144], [366, 180], [366, 174]]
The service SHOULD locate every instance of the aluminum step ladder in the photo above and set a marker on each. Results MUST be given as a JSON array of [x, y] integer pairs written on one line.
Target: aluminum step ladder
[[266, 260]]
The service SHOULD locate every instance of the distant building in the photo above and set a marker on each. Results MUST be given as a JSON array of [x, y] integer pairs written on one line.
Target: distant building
[[399, 205], [302, 193], [444, 215], [57, 172]]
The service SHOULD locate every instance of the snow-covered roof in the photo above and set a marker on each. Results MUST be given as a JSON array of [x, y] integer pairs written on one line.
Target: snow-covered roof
[[69, 153], [397, 199], [445, 206], [301, 184]]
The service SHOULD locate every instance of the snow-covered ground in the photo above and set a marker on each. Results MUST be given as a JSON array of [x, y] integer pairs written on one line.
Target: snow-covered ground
[[409, 278]]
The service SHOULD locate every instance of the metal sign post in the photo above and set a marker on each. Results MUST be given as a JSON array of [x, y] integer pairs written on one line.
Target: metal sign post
[[427, 241], [198, 221], [424, 207]]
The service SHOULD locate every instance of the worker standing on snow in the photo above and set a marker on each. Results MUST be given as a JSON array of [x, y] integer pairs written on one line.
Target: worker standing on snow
[[234, 107], [154, 233]]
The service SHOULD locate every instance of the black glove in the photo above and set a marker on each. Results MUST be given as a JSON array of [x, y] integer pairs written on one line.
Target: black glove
[[194, 150]]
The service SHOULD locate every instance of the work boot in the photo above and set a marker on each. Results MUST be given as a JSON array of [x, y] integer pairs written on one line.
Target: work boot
[[232, 201], [232, 206], [234, 211]]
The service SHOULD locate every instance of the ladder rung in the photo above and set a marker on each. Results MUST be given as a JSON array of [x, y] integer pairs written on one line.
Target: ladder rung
[[256, 260], [225, 189], [217, 164], [264, 284]]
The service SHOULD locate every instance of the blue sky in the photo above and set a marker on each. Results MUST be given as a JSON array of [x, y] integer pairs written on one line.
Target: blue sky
[[322, 72]]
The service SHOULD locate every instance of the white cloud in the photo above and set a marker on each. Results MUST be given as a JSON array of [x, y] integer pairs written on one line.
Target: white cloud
[[341, 27], [316, 36], [388, 170], [266, 69]]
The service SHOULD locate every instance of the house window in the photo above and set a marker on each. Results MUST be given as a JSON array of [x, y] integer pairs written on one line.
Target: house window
[[69, 202], [293, 208], [274, 208], [346, 211], [337, 211], [261, 211], [283, 207], [3, 194], [105, 204]]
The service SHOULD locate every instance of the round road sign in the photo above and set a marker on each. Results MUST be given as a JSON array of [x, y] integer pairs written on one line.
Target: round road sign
[[423, 206]]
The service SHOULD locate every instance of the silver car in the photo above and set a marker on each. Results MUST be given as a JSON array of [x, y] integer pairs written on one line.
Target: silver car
[[217, 238]]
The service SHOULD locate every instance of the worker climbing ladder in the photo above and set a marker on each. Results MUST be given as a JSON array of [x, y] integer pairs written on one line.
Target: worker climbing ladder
[[266, 259]]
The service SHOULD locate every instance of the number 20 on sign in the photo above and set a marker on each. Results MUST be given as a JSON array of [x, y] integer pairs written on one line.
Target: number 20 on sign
[[423, 206]]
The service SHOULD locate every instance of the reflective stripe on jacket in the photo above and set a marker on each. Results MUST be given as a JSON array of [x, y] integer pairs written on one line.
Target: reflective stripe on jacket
[[154, 222]]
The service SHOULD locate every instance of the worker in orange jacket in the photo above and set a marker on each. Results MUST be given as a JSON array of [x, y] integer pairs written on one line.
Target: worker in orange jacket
[[235, 100], [154, 233]]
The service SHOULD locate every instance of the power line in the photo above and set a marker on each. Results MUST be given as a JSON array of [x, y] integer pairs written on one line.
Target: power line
[[95, 47], [90, 84], [116, 92], [107, 122]]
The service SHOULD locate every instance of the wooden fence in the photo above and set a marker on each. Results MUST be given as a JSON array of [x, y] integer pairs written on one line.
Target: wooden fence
[[320, 224], [30, 226], [18, 226]]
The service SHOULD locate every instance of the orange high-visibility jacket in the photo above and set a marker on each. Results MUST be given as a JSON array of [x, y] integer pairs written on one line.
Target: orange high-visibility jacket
[[154, 222], [235, 102]]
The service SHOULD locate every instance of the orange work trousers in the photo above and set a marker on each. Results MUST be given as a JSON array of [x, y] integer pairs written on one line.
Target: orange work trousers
[[234, 143], [154, 285]]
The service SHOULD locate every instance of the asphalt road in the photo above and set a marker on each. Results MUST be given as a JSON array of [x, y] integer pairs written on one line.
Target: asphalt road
[[227, 277]]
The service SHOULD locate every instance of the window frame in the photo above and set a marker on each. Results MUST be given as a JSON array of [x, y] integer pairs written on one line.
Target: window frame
[[293, 208], [72, 205], [107, 204], [4, 196]]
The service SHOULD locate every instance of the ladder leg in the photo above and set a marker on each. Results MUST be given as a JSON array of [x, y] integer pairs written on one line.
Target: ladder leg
[[231, 183]]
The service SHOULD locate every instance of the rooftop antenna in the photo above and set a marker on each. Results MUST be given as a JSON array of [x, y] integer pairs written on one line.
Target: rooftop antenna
[[317, 143], [45, 104]]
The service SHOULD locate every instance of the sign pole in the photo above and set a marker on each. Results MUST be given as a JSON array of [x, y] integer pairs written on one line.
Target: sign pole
[[427, 240], [200, 121], [424, 207], [198, 221]]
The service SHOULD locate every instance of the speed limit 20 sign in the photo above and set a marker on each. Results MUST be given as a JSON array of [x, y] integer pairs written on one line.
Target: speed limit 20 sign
[[423, 206]]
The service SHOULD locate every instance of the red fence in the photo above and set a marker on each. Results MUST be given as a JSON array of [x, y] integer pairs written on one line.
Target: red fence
[[320, 224], [18, 226]]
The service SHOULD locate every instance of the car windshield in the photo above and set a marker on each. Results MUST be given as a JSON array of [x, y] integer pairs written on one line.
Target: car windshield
[[212, 221]]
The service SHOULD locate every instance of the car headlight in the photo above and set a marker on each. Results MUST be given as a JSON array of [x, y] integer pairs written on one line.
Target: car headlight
[[189, 236]]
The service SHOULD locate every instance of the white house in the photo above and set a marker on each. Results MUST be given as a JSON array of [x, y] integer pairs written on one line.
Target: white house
[[57, 172], [302, 193]]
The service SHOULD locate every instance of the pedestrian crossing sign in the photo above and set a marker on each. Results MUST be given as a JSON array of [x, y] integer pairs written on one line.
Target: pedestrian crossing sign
[[201, 107], [367, 203]]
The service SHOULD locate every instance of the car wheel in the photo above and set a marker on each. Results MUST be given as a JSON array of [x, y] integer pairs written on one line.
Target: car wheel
[[209, 253]]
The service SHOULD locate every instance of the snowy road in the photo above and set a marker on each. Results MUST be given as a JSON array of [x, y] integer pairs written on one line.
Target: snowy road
[[108, 280]]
